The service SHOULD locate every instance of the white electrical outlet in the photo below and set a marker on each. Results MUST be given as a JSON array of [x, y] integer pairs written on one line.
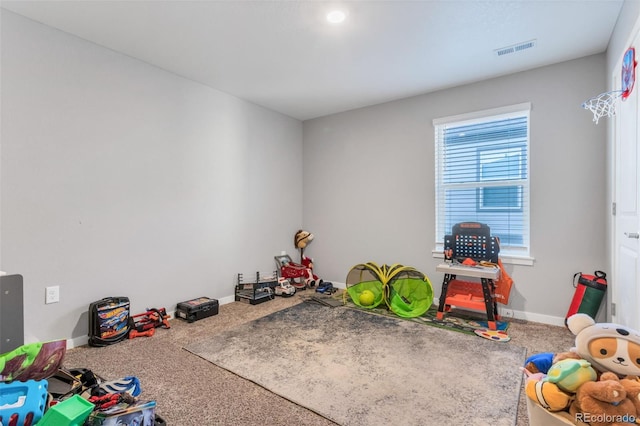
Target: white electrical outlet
[[507, 313], [52, 294]]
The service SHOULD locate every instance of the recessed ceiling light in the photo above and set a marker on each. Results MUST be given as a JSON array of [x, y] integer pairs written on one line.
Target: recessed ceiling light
[[336, 16]]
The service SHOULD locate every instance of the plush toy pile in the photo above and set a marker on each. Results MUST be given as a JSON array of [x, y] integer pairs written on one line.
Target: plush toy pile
[[598, 381]]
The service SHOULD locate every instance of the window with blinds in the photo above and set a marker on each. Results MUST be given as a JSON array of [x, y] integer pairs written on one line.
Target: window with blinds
[[482, 174]]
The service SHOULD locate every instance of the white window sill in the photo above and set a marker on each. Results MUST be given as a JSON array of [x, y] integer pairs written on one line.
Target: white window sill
[[506, 258]]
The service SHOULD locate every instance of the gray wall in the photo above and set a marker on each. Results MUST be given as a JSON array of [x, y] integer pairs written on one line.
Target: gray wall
[[118, 178], [369, 182]]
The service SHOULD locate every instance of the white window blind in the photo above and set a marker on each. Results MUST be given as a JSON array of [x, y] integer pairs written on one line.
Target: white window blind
[[482, 174]]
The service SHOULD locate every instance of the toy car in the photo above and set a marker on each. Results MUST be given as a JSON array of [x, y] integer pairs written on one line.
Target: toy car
[[284, 288], [326, 288]]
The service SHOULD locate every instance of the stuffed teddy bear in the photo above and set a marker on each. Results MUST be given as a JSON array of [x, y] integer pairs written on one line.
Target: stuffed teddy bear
[[608, 347], [603, 403], [632, 385]]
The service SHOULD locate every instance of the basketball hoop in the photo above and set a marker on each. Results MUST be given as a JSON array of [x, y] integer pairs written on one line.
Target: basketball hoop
[[603, 105]]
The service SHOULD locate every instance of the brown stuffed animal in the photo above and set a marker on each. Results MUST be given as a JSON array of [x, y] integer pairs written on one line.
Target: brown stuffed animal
[[632, 385], [603, 403]]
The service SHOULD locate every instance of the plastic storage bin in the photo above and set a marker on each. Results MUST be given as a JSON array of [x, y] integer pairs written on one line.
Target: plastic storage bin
[[70, 412], [22, 402]]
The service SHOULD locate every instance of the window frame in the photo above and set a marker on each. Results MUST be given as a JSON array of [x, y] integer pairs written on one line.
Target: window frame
[[509, 182], [509, 254]]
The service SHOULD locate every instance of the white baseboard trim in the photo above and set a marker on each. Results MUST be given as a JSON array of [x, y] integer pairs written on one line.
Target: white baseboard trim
[[533, 317], [84, 340], [506, 312], [227, 299], [77, 341], [339, 285]]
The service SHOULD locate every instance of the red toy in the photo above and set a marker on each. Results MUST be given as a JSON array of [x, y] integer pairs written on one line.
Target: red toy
[[135, 333], [300, 275], [145, 324]]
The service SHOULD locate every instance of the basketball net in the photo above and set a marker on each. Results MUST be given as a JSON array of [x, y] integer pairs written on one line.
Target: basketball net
[[603, 105]]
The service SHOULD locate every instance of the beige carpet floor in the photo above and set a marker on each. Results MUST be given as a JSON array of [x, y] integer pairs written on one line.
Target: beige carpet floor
[[191, 391]]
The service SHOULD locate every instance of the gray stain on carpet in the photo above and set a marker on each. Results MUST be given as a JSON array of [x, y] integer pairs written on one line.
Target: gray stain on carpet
[[357, 368]]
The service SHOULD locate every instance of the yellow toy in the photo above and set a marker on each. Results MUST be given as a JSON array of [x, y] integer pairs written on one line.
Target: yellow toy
[[366, 298], [545, 393], [570, 374]]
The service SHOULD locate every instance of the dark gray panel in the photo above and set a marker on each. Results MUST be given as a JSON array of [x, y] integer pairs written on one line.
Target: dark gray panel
[[11, 313]]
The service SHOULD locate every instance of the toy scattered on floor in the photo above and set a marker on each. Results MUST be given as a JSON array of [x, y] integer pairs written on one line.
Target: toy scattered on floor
[[406, 291], [313, 280], [261, 289], [326, 287], [607, 346], [493, 335], [366, 298], [152, 318], [124, 413], [145, 324], [135, 333], [72, 411], [128, 384], [33, 361], [67, 382], [197, 309], [284, 288], [108, 321], [116, 401], [299, 275], [110, 399], [22, 403]]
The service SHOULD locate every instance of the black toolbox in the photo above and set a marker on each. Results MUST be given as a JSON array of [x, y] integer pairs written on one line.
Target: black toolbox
[[196, 309]]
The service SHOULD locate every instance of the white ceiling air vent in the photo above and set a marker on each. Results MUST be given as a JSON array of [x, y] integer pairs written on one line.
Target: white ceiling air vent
[[515, 48]]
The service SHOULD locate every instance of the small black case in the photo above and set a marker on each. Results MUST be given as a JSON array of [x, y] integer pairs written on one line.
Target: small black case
[[108, 321], [197, 309]]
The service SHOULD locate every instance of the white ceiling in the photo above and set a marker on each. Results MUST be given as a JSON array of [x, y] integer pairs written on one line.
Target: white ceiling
[[285, 56]]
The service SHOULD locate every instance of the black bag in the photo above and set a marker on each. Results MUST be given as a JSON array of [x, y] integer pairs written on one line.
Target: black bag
[[109, 321]]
